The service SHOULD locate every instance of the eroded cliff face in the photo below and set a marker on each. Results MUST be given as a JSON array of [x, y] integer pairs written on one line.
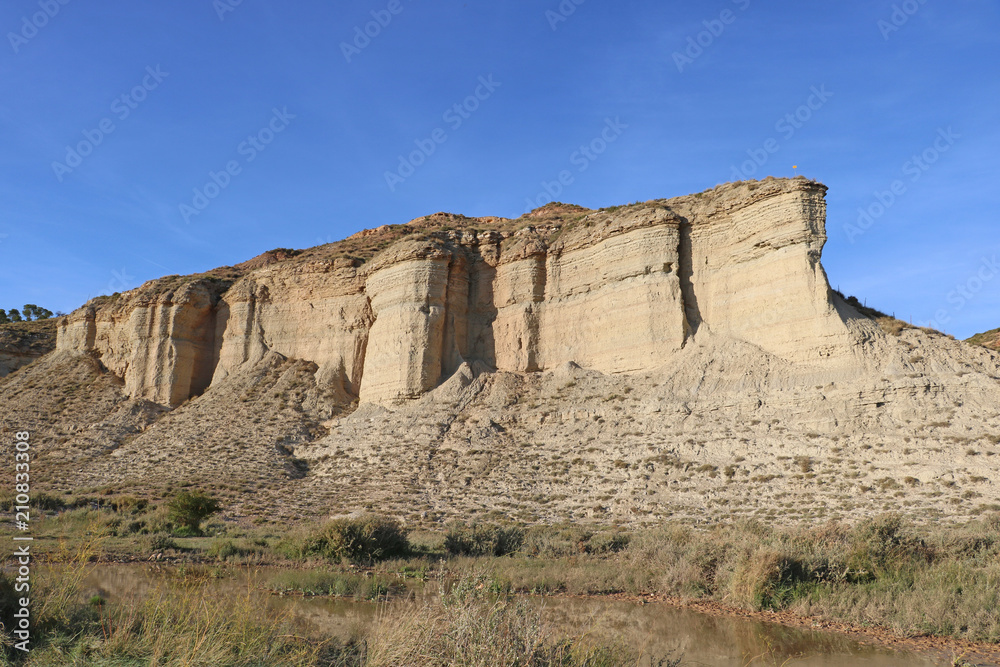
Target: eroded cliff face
[[679, 358], [315, 311], [160, 342], [615, 291]]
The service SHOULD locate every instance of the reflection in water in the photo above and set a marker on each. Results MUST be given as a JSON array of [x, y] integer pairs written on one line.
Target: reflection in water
[[656, 628]]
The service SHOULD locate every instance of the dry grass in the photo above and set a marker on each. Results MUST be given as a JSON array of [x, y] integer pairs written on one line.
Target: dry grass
[[990, 339], [480, 625], [943, 581], [184, 621]]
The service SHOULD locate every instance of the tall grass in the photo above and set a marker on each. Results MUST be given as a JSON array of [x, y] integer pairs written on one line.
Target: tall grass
[[479, 625], [943, 581], [184, 623]]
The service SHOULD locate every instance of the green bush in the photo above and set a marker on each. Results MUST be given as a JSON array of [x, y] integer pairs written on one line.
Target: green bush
[[159, 542], [608, 542], [361, 540], [883, 543], [189, 508], [224, 549], [483, 539], [47, 502]]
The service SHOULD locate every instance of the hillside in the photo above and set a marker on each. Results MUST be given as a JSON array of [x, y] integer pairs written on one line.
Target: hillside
[[990, 339], [23, 342], [672, 358]]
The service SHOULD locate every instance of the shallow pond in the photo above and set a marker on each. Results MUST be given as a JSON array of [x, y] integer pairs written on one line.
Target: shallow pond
[[658, 629]]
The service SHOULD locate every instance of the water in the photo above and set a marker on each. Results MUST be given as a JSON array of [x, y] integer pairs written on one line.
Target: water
[[657, 628]]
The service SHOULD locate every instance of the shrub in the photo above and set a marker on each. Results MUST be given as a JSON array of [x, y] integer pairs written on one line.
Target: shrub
[[608, 542], [766, 580], [159, 542], [224, 549], [479, 624], [555, 541], [882, 543], [189, 508], [47, 502], [128, 504], [482, 539], [363, 539]]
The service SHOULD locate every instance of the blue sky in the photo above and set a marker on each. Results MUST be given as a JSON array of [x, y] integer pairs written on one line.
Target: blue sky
[[849, 92]]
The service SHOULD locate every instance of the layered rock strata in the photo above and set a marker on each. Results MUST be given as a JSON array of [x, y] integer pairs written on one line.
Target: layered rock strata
[[615, 291]]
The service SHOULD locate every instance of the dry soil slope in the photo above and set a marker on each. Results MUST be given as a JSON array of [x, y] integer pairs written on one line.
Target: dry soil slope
[[23, 342]]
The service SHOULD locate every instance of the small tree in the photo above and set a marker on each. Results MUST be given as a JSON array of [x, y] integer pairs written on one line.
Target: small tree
[[28, 311], [189, 508], [42, 313], [14, 315], [3, 316]]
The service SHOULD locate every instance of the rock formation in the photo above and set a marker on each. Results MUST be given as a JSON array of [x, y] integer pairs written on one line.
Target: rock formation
[[681, 357], [616, 292]]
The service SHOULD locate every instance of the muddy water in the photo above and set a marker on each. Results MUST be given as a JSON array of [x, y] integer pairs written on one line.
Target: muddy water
[[657, 629]]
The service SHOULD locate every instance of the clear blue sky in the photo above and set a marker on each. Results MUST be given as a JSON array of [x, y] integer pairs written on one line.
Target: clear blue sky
[[922, 82]]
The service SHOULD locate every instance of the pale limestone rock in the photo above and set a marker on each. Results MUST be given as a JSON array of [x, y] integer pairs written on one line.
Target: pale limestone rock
[[618, 291], [406, 342], [161, 344], [318, 312]]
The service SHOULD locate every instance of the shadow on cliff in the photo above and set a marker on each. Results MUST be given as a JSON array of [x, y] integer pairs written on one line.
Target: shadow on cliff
[[685, 272]]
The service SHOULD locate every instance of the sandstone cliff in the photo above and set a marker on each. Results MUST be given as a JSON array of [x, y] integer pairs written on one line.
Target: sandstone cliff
[[614, 291], [681, 357]]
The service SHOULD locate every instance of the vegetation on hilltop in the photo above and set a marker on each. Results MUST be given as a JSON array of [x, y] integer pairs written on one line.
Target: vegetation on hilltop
[[28, 313], [990, 339]]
